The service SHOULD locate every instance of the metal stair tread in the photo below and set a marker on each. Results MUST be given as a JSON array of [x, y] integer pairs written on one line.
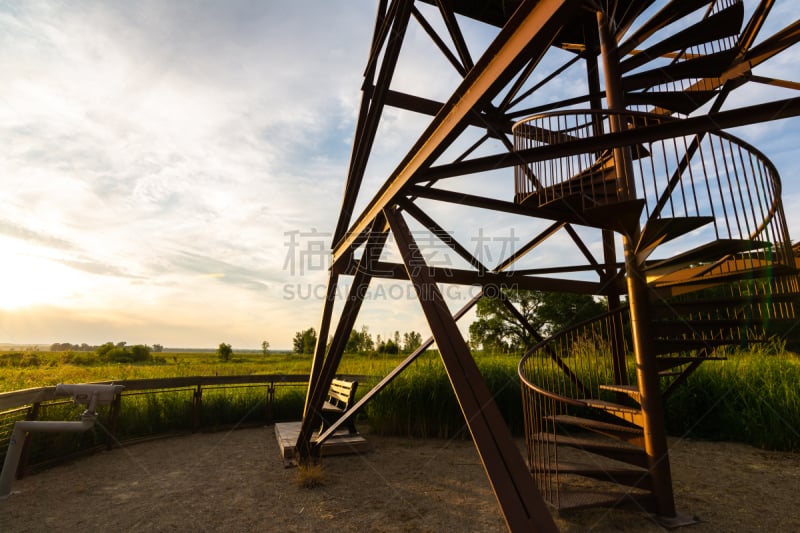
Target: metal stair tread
[[712, 251], [712, 278], [706, 66], [631, 476], [694, 326], [680, 102], [703, 304], [726, 22], [661, 230], [666, 363], [571, 467], [579, 499], [590, 423], [617, 215], [610, 406], [627, 389], [590, 444]]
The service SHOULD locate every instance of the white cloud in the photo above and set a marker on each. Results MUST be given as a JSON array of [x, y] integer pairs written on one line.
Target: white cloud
[[166, 141], [156, 156]]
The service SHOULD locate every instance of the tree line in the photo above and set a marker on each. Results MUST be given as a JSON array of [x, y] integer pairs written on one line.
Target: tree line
[[362, 342], [83, 347], [496, 328]]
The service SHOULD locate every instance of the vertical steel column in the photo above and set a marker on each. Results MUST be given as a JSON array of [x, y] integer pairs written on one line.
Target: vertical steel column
[[372, 103], [609, 239], [315, 397], [522, 506], [322, 337], [655, 438]]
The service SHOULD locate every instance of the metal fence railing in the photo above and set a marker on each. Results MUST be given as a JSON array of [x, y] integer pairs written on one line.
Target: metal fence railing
[[148, 408]]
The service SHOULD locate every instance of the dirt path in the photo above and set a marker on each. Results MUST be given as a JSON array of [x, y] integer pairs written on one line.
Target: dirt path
[[237, 482]]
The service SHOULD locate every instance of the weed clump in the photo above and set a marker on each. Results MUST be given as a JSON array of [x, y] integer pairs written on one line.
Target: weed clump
[[310, 475]]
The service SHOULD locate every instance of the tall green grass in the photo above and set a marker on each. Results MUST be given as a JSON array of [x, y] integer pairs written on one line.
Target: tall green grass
[[420, 402], [158, 413], [21, 370], [752, 398]]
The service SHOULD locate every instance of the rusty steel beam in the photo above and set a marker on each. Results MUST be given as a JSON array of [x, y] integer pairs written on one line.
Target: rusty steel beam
[[321, 380], [382, 384], [496, 280], [423, 218], [322, 338], [426, 106], [423, 22], [526, 36], [755, 24], [372, 107], [522, 506], [742, 116], [448, 14], [770, 47], [482, 202]]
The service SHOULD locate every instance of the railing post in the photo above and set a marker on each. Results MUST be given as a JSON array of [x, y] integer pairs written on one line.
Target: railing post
[[113, 416], [270, 402], [33, 414], [197, 405]]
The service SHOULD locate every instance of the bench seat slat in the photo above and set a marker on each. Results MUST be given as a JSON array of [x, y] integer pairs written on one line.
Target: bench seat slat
[[341, 396]]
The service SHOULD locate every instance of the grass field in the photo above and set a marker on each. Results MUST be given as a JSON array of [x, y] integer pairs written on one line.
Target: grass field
[[753, 397], [21, 370]]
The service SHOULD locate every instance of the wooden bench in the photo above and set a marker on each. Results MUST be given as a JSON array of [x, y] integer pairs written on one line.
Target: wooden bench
[[341, 397]]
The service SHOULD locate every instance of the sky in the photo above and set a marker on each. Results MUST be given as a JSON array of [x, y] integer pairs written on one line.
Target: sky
[[171, 172]]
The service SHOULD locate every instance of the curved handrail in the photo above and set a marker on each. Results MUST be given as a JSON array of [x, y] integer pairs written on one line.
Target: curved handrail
[[714, 175], [584, 372], [32, 404], [25, 397]]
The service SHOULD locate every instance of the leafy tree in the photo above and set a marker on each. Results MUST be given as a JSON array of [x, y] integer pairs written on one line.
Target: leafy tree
[[120, 353], [497, 329], [158, 348], [305, 341], [360, 341], [388, 346], [411, 341], [224, 352], [265, 347], [139, 352]]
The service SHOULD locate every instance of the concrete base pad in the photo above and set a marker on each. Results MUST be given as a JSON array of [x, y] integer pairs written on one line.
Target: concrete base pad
[[342, 442]]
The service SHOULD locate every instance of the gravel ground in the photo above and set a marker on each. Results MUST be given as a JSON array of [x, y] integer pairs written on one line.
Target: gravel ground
[[237, 481]]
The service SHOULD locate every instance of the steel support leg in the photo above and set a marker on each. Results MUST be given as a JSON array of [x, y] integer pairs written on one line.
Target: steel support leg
[[652, 404], [322, 379], [522, 506]]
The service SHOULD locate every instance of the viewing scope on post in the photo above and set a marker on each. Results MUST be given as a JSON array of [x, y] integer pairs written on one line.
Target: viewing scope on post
[[89, 394]]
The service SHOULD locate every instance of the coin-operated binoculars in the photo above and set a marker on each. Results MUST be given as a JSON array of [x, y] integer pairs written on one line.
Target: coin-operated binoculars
[[91, 395]]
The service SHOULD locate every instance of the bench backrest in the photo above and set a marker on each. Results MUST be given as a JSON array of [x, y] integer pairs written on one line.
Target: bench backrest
[[342, 393]]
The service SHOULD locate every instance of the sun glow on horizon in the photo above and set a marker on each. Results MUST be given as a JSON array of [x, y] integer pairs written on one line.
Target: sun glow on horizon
[[28, 280]]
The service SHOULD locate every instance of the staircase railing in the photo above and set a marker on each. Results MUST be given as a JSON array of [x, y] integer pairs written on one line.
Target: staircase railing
[[699, 89], [560, 376], [715, 176], [721, 192]]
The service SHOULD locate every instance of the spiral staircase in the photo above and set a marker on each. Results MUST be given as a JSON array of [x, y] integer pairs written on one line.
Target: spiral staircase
[[705, 260], [704, 232]]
